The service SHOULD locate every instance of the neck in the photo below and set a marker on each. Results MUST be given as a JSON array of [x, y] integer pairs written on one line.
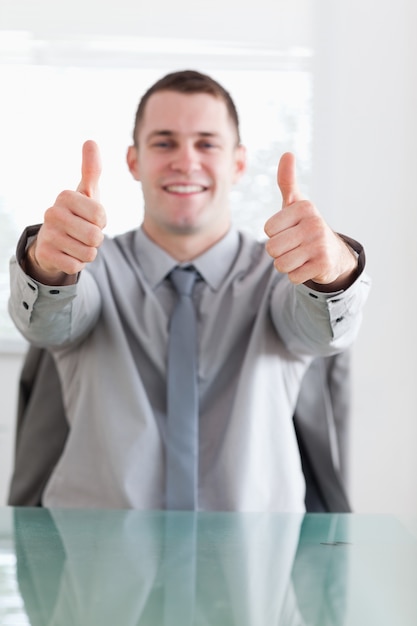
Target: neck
[[185, 247]]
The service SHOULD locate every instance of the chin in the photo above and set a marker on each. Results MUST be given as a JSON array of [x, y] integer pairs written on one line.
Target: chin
[[187, 223], [185, 228]]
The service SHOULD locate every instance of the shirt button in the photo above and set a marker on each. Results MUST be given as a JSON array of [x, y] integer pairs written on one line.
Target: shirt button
[[25, 305], [54, 291]]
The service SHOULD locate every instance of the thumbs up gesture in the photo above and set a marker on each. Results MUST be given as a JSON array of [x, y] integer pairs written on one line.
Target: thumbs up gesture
[[301, 243], [72, 229]]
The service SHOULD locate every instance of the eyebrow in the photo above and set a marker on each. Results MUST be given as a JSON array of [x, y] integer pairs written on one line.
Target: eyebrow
[[170, 133]]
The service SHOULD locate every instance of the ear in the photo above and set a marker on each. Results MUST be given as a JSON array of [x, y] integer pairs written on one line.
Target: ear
[[132, 162], [240, 162]]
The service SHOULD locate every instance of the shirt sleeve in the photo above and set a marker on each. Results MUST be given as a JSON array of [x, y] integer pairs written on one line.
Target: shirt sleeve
[[312, 322], [50, 316]]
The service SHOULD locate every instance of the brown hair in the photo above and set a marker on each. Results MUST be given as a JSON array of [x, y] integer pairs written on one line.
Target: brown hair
[[187, 82]]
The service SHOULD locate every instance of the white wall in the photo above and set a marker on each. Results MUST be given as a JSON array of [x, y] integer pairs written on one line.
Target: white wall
[[365, 167], [266, 21]]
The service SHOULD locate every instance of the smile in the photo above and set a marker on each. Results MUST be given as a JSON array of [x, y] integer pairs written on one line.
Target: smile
[[185, 189]]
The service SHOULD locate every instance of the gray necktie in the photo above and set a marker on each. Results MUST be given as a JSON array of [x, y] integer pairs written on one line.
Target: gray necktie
[[182, 398]]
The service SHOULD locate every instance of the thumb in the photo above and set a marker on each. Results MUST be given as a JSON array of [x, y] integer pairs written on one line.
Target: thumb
[[90, 170], [287, 181]]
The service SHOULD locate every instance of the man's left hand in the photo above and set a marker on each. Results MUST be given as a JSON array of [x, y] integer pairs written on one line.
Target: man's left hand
[[300, 241]]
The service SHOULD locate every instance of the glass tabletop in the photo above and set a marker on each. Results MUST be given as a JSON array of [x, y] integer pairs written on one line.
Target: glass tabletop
[[129, 568]]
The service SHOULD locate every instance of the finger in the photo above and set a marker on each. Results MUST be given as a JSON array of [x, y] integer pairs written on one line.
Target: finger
[[287, 181], [90, 170]]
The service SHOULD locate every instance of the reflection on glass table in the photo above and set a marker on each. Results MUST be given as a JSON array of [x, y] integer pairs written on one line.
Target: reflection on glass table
[[131, 568]]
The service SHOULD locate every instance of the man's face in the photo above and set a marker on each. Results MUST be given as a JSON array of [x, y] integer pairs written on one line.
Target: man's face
[[187, 160]]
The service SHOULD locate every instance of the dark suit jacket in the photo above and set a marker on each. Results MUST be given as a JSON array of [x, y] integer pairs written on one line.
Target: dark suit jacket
[[321, 422]]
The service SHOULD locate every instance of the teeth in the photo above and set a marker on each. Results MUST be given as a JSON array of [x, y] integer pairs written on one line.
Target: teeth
[[184, 188]]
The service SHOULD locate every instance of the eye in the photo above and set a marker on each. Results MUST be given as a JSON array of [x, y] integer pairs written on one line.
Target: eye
[[207, 145], [162, 144]]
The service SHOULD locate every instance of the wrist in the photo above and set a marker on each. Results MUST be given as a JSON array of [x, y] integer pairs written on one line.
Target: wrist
[[32, 267]]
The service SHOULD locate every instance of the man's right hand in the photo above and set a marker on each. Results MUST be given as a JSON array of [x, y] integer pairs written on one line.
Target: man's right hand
[[72, 229]]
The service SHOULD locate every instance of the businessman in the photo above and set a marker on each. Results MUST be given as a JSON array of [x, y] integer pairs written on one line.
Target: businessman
[[104, 307]]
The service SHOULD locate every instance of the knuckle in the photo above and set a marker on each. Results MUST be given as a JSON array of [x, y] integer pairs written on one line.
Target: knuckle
[[308, 207], [270, 226], [99, 238], [90, 254], [269, 247], [64, 197], [278, 265], [98, 215], [93, 236], [51, 216], [72, 266], [47, 215], [268, 229], [103, 218], [293, 278]]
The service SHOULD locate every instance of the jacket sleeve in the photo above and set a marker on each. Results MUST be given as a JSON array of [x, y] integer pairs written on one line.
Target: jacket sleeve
[[50, 316], [41, 428], [315, 323]]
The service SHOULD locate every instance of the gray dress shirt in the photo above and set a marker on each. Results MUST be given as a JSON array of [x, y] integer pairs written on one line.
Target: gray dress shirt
[[108, 335]]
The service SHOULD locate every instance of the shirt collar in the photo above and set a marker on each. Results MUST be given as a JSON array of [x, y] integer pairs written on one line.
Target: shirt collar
[[213, 265]]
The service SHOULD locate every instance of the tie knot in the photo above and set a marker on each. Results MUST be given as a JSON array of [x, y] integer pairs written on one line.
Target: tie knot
[[183, 280]]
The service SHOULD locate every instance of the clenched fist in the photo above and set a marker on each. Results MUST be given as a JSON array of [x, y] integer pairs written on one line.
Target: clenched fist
[[72, 229], [300, 241]]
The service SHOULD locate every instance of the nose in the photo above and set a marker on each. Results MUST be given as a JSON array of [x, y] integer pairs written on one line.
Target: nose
[[186, 159]]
